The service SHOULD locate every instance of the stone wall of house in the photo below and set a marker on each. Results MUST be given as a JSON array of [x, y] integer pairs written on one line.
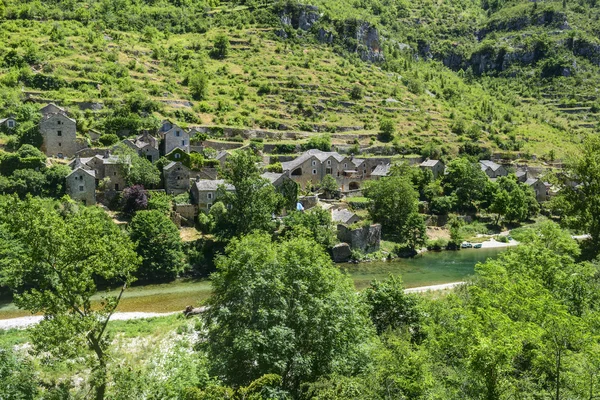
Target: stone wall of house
[[366, 239], [82, 187], [187, 211], [176, 138], [59, 136], [177, 179], [308, 201], [115, 172]]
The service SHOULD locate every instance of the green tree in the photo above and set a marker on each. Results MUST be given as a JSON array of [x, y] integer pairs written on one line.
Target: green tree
[[138, 170], [315, 223], [198, 84], [51, 262], [221, 47], [282, 308], [330, 187], [356, 93], [17, 377], [254, 200], [583, 200], [512, 200], [393, 202], [386, 129], [158, 242], [467, 182], [390, 307]]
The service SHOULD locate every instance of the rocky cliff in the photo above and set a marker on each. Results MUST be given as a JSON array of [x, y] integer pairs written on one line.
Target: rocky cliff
[[355, 36]]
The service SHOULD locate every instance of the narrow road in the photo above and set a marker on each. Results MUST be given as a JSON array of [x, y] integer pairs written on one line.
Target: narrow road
[[422, 289], [24, 322]]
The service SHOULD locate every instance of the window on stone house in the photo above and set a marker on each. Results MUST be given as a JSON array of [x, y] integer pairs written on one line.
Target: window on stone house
[[345, 165], [314, 171], [59, 144], [177, 155], [209, 205], [177, 133], [183, 142], [11, 123], [115, 173], [314, 163], [209, 196], [58, 133], [58, 122], [328, 162], [81, 188]]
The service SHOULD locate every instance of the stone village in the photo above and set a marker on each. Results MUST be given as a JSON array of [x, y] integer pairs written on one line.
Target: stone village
[[98, 175]]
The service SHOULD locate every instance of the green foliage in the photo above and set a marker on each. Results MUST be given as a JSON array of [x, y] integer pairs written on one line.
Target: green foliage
[[198, 83], [221, 47], [513, 201], [315, 224], [467, 182], [330, 187], [287, 295], [394, 204], [51, 261], [17, 377], [386, 129], [319, 142], [108, 139], [160, 201], [390, 307], [252, 204], [158, 242]]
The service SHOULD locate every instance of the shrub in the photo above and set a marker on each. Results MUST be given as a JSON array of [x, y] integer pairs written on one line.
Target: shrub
[[108, 139]]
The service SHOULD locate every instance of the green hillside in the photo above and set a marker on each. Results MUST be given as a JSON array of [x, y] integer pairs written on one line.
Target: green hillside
[[516, 78]]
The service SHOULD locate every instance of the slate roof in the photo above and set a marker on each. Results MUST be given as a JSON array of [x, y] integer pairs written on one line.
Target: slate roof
[[342, 215], [531, 181], [206, 185], [485, 164], [48, 116], [272, 176], [80, 168], [520, 174], [381, 170], [318, 154], [172, 164], [221, 154], [429, 163]]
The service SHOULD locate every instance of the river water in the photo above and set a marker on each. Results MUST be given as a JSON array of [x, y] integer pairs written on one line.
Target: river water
[[430, 268]]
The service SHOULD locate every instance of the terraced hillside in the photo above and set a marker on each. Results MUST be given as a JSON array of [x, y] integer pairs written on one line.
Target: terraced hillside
[[431, 68]]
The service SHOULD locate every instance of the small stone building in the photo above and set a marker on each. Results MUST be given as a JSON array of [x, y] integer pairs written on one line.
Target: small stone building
[[344, 216], [435, 166], [81, 185], [145, 145], [176, 178], [539, 188], [380, 171], [9, 123], [492, 170], [175, 138], [59, 134], [204, 192]]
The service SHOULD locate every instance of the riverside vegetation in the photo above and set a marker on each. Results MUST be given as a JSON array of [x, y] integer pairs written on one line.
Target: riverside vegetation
[[436, 79]]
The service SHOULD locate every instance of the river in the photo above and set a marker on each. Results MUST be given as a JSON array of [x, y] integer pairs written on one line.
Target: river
[[430, 268]]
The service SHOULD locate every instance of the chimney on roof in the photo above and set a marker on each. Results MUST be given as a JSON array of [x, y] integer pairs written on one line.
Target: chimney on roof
[[106, 154], [197, 178]]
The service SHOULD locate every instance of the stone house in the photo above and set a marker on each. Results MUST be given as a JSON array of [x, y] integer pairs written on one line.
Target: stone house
[[176, 177], [381, 171], [312, 166], [204, 192], [344, 216], [539, 188], [81, 185], [179, 155], [52, 108], [105, 166], [492, 170], [8, 123], [222, 158], [175, 138], [59, 134], [435, 166], [145, 145]]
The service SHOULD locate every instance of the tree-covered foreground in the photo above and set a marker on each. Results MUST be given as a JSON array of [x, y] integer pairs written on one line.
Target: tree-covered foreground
[[285, 323]]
